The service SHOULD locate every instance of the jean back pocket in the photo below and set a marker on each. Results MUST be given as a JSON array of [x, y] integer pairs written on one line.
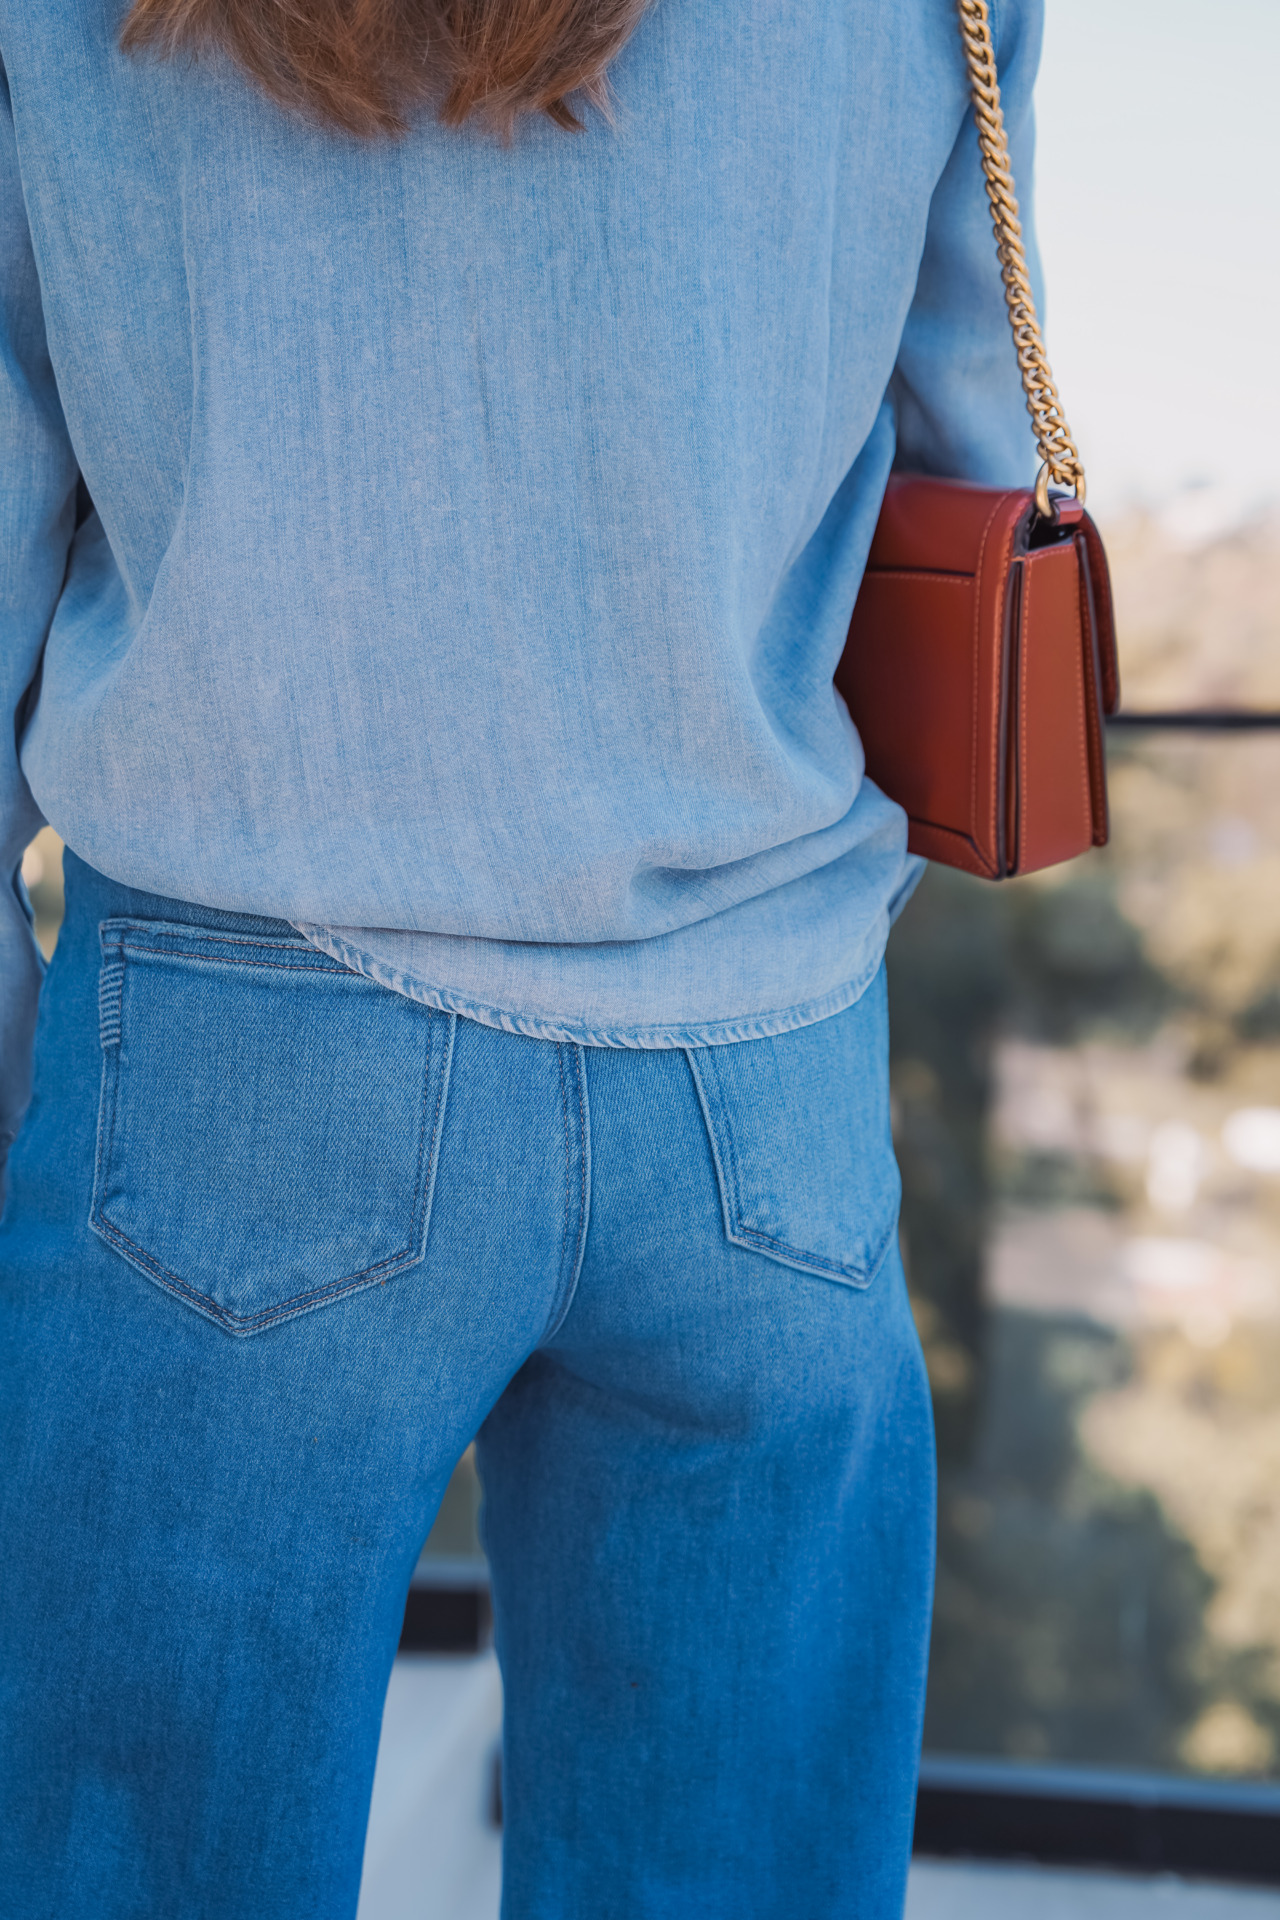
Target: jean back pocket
[[800, 1134], [269, 1120]]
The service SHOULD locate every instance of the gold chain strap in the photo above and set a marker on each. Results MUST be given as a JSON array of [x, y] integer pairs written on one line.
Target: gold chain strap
[[1053, 436]]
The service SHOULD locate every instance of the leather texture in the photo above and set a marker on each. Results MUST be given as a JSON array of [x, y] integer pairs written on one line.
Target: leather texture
[[979, 666]]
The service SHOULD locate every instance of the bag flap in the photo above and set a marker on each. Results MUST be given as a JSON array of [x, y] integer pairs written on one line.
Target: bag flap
[[938, 526]]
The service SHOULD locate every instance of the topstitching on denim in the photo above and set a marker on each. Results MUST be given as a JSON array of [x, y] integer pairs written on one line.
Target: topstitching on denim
[[577, 1182], [192, 942], [774, 1183], [713, 1033], [724, 1154]]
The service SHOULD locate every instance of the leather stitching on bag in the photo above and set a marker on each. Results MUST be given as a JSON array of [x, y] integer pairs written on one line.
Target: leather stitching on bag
[[977, 703], [922, 573], [1082, 729], [1024, 704]]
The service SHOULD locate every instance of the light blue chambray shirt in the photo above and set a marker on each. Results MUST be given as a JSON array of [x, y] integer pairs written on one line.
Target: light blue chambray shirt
[[476, 526]]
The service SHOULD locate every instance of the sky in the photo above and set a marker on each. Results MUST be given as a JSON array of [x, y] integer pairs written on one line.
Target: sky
[[1158, 206]]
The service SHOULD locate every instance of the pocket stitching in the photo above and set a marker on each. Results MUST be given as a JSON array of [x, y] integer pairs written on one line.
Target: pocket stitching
[[233, 960], [188, 942], [751, 1236], [729, 1182], [242, 1323], [334, 1289], [214, 936], [298, 1302], [577, 1207]]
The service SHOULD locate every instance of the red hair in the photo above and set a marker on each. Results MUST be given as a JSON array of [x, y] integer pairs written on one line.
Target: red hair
[[365, 65]]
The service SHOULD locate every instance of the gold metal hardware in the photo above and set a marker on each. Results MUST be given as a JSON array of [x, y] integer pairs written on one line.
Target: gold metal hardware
[[1061, 462]]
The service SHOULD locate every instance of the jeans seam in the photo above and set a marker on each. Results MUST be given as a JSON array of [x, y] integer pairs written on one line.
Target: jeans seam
[[111, 999], [252, 1322], [408, 1256], [102, 1148], [569, 1275], [752, 1237], [190, 931], [233, 960], [724, 1158], [190, 942], [726, 1178]]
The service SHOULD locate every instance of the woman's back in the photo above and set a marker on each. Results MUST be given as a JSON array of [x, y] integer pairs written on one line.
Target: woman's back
[[474, 533], [477, 524]]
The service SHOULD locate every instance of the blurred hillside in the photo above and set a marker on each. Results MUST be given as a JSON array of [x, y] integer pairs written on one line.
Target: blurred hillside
[[1197, 605], [1086, 1072]]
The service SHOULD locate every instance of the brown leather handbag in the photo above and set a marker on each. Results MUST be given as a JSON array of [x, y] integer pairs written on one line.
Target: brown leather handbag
[[981, 657]]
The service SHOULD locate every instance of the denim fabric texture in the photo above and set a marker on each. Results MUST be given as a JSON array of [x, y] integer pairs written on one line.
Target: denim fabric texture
[[476, 527], [222, 1020], [278, 1243]]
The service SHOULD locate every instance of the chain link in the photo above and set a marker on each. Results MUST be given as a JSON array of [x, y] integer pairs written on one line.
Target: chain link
[[1058, 452]]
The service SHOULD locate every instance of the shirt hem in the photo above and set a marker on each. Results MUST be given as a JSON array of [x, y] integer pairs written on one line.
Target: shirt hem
[[706, 1033]]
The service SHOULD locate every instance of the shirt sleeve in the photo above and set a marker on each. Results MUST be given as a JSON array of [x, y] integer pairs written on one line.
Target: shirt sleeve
[[956, 389], [37, 518]]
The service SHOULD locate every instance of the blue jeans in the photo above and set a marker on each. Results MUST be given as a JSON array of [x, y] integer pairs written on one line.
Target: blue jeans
[[278, 1243]]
